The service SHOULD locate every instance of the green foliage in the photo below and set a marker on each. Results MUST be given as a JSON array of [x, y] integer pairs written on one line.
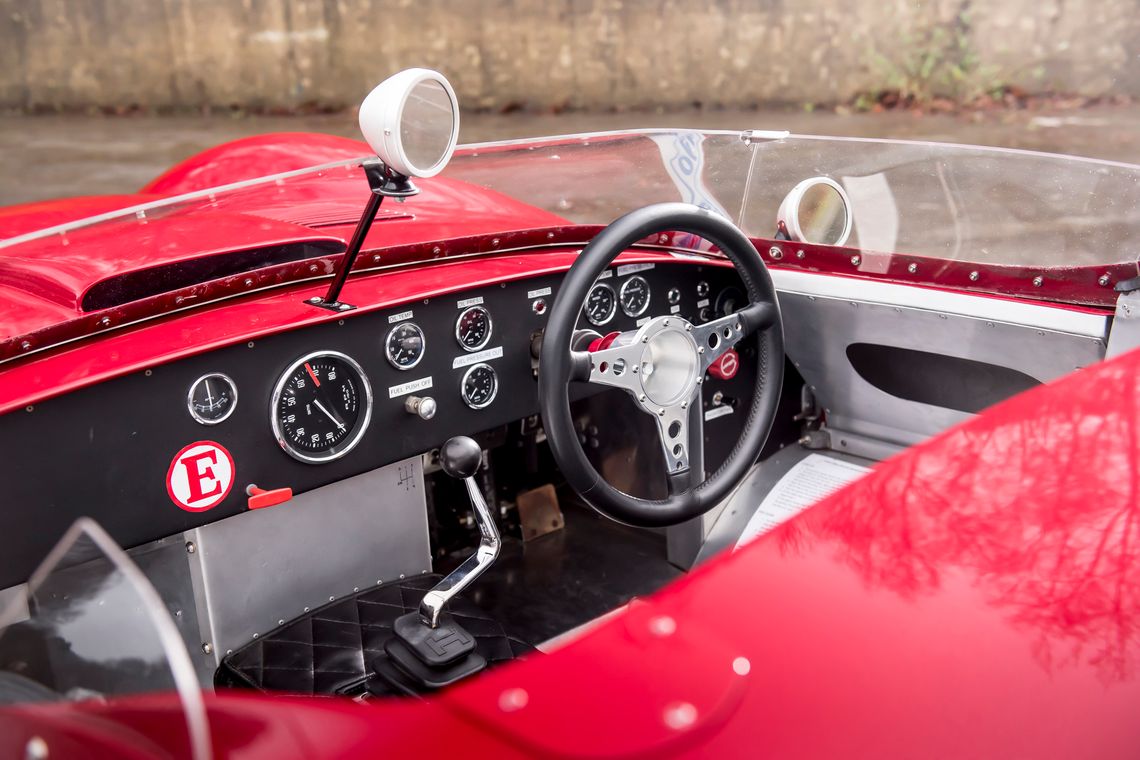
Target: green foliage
[[938, 61]]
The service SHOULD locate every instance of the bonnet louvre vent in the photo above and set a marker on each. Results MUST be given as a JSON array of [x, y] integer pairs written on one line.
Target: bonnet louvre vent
[[153, 281]]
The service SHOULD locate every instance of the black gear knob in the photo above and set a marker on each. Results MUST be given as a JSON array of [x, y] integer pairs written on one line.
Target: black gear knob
[[460, 457]]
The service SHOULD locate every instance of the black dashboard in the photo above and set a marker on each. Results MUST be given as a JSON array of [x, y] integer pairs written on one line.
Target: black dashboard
[[108, 451]]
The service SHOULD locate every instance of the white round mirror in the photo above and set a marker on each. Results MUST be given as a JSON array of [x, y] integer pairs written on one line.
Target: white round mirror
[[816, 211], [411, 120]]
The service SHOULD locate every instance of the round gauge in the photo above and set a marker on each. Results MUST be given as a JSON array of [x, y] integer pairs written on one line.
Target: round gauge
[[321, 406], [212, 398], [404, 345], [479, 386], [729, 301], [702, 289], [635, 296], [600, 304], [673, 296], [473, 328]]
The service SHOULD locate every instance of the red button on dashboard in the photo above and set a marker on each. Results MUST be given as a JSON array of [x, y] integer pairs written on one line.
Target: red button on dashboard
[[726, 366]]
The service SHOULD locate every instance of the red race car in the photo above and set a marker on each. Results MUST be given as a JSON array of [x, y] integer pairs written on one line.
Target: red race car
[[638, 444]]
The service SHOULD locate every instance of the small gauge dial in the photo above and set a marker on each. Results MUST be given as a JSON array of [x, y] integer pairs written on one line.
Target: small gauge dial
[[473, 328], [212, 398], [479, 386], [702, 289], [404, 345], [600, 304], [729, 301], [635, 296], [673, 296], [321, 407]]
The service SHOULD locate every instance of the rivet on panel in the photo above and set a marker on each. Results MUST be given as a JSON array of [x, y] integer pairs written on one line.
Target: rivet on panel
[[513, 699], [662, 626], [855, 260], [974, 276], [680, 715], [912, 267], [1103, 281], [1038, 281], [36, 749]]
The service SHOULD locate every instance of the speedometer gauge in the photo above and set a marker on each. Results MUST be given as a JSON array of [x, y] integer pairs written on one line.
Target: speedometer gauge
[[473, 328], [600, 304], [635, 296], [321, 407], [479, 386], [404, 345]]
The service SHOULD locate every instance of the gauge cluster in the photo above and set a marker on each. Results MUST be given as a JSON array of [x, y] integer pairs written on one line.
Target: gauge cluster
[[305, 408]]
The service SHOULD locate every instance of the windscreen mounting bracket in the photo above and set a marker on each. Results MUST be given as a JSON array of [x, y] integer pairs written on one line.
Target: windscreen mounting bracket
[[384, 183]]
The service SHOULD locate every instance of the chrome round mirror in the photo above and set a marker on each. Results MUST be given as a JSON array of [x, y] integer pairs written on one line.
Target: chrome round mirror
[[411, 120], [816, 211]]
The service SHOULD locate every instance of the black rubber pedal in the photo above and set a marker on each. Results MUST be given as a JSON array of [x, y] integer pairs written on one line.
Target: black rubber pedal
[[429, 678], [435, 647]]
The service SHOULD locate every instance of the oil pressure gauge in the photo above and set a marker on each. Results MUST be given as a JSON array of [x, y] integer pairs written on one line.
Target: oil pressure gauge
[[473, 328], [212, 398]]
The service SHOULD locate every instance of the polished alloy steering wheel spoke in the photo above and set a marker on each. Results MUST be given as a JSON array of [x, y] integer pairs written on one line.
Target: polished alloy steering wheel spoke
[[661, 367], [715, 338]]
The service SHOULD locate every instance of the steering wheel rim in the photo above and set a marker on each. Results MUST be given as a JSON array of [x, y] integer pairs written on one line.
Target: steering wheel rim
[[691, 494]]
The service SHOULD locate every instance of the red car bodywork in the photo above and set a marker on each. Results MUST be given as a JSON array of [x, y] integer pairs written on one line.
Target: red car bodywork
[[975, 596]]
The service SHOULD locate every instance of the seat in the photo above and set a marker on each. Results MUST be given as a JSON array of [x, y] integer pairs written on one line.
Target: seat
[[329, 651]]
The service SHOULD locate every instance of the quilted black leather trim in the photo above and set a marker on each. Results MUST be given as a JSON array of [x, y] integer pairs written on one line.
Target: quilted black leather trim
[[329, 650]]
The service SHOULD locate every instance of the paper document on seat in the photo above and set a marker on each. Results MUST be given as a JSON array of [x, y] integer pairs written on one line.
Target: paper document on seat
[[809, 481]]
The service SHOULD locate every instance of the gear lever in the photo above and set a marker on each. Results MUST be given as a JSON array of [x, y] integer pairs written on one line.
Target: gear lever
[[460, 458], [430, 648]]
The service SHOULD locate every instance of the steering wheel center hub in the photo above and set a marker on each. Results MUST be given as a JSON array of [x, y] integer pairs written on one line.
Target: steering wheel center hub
[[669, 366]]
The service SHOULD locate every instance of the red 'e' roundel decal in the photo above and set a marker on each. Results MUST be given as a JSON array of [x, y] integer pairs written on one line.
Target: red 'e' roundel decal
[[200, 476]]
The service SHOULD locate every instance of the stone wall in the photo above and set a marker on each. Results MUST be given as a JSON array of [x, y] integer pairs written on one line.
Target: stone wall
[[599, 54]]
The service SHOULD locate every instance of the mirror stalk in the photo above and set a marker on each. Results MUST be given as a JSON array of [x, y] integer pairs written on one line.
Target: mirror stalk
[[384, 183]]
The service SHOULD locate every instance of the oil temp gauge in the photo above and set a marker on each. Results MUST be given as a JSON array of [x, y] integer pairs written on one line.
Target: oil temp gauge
[[212, 398]]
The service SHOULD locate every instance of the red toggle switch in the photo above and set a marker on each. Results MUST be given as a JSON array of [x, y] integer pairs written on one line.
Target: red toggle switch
[[726, 366], [260, 498]]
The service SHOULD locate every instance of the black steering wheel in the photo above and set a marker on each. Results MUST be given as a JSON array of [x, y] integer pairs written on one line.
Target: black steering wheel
[[662, 366]]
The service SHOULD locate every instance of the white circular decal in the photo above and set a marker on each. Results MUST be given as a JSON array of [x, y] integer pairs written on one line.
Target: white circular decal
[[200, 476]]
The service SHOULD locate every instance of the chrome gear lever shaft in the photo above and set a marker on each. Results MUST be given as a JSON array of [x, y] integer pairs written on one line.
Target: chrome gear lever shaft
[[460, 457]]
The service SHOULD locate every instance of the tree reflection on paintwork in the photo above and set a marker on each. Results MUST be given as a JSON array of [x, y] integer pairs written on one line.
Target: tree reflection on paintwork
[[1036, 503]]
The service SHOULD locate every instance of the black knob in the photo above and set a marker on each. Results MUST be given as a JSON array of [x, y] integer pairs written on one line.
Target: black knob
[[460, 457]]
